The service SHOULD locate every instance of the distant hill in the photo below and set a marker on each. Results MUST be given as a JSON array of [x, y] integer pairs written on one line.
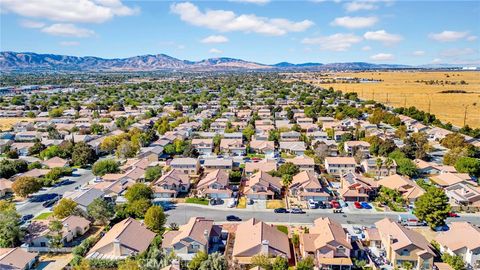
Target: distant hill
[[28, 61]]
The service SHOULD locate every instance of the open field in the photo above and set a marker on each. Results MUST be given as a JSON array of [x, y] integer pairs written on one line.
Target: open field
[[7, 122], [408, 88]]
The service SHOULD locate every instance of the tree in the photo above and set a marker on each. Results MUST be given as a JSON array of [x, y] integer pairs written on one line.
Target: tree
[[139, 207], [261, 260], [83, 154], [153, 173], [105, 166], [127, 149], [65, 208], [432, 207], [36, 148], [155, 218], [138, 191], [55, 235], [468, 165], [25, 185], [305, 264], [280, 263], [453, 140], [215, 261], [101, 211], [456, 262], [379, 163], [10, 232], [406, 167], [9, 168], [197, 260], [128, 264]]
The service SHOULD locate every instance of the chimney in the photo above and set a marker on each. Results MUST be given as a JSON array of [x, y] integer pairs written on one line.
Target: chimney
[[117, 251], [264, 249], [349, 237]]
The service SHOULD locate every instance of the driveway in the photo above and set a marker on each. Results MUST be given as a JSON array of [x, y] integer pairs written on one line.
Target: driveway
[[257, 205], [54, 262]]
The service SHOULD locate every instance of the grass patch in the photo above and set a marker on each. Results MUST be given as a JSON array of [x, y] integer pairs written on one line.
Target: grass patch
[[242, 203], [253, 155], [283, 229], [272, 204], [286, 155], [43, 216], [201, 201]]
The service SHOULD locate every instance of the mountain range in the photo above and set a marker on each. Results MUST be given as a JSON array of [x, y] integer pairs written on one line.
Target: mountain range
[[28, 61]]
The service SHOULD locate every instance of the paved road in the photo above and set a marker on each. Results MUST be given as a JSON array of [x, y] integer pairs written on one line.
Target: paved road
[[34, 204], [182, 212]]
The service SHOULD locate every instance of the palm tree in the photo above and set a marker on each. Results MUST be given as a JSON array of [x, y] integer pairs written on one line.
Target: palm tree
[[379, 162], [389, 164]]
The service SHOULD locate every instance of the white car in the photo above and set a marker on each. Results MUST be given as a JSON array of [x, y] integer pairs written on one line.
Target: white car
[[312, 204]]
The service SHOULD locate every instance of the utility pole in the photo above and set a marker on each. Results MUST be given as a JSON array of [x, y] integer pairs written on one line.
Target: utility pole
[[387, 98], [429, 103], [465, 116]]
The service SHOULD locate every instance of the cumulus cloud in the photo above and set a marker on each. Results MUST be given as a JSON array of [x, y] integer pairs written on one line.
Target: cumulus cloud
[[366, 48], [228, 21], [353, 6], [418, 53], [215, 51], [32, 24], [215, 39], [382, 57], [69, 43], [354, 22], [382, 36], [67, 30], [82, 11], [457, 52], [448, 36], [335, 42]]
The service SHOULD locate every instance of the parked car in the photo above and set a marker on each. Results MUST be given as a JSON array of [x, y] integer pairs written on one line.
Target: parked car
[[233, 218], [328, 205], [442, 228], [297, 211], [312, 204], [365, 205], [216, 201], [250, 201], [335, 204], [357, 205], [27, 217], [453, 214], [232, 203], [280, 210], [321, 205]]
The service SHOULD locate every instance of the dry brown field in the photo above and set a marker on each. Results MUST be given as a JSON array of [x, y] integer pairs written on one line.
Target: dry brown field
[[400, 89], [7, 122]]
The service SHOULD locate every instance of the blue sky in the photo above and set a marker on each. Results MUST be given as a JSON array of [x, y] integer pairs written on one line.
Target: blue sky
[[266, 31]]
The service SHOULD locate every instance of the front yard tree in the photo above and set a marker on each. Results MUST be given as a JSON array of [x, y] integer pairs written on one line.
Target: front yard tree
[[101, 211], [25, 185], [153, 173], [105, 166], [83, 154], [305, 264], [55, 235], [262, 261], [10, 232], [197, 260], [138, 191], [280, 263], [468, 165], [155, 218], [65, 208], [432, 207]]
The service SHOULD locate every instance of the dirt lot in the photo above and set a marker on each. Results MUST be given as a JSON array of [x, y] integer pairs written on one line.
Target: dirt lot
[[7, 122]]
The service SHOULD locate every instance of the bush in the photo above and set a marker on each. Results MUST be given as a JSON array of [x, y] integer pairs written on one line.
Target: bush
[[105, 166]]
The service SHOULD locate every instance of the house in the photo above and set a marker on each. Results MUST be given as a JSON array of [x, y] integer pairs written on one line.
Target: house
[[255, 237], [262, 186], [293, 147], [353, 147], [215, 185], [409, 189], [370, 166], [171, 183], [84, 197], [17, 259], [127, 238], [55, 162], [290, 136], [5, 187], [425, 167], [203, 146], [27, 136], [218, 163], [37, 238], [233, 146], [462, 194], [356, 187], [404, 245], [338, 166], [264, 165], [21, 147], [306, 186], [197, 235], [328, 243], [189, 166], [462, 239], [449, 179], [304, 163], [263, 147]]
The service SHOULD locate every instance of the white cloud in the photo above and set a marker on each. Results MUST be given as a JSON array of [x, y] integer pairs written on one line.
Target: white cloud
[[355, 22], [335, 42], [382, 36], [360, 5], [69, 43], [258, 2], [457, 52], [472, 38], [418, 53], [228, 21], [67, 30], [366, 48], [448, 36], [215, 39], [31, 24], [83, 11], [215, 51], [436, 61], [382, 57]]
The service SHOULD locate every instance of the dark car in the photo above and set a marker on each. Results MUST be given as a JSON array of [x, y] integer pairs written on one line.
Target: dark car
[[365, 205], [233, 218], [49, 203], [27, 217], [297, 211], [280, 210], [321, 205], [328, 206]]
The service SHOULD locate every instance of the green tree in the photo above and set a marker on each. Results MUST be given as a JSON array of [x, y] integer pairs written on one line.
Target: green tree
[[468, 165], [433, 207], [453, 140], [139, 207], [261, 260], [127, 149], [138, 191], [215, 261], [36, 148], [65, 208], [128, 264], [155, 218], [10, 232], [280, 263], [306, 263], [101, 211], [197, 260], [55, 234], [456, 262], [153, 173], [83, 154], [25, 185], [102, 167]]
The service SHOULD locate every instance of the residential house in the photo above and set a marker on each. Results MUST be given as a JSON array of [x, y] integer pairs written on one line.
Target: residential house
[[262, 186], [447, 179], [370, 166], [264, 165], [189, 166], [409, 189], [127, 238], [425, 167], [203, 146], [171, 183], [27, 136], [353, 147], [255, 237], [17, 259], [462, 239], [328, 243], [290, 136], [356, 187], [306, 186], [293, 147], [338, 166], [462, 194], [403, 245], [218, 163], [215, 185], [197, 235], [5, 187], [233, 146], [304, 163], [84, 197], [55, 162], [263, 147]]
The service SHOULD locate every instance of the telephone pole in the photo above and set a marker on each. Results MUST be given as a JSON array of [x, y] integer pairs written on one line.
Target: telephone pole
[[429, 103], [465, 116]]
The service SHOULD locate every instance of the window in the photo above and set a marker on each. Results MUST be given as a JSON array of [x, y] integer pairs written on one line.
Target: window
[[405, 252], [341, 249], [43, 244]]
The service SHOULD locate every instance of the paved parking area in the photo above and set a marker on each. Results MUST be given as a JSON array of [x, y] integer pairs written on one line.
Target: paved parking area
[[351, 209], [257, 205]]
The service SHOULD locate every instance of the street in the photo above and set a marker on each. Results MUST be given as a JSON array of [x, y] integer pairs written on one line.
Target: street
[[34, 203], [182, 212]]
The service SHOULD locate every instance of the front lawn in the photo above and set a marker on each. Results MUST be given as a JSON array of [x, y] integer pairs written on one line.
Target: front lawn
[[43, 216], [272, 204], [201, 201], [253, 155], [286, 155], [242, 203], [283, 229]]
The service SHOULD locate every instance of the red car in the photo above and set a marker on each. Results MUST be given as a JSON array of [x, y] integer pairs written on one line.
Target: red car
[[452, 214], [335, 204], [357, 205]]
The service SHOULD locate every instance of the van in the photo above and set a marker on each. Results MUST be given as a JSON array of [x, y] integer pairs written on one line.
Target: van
[[409, 220]]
